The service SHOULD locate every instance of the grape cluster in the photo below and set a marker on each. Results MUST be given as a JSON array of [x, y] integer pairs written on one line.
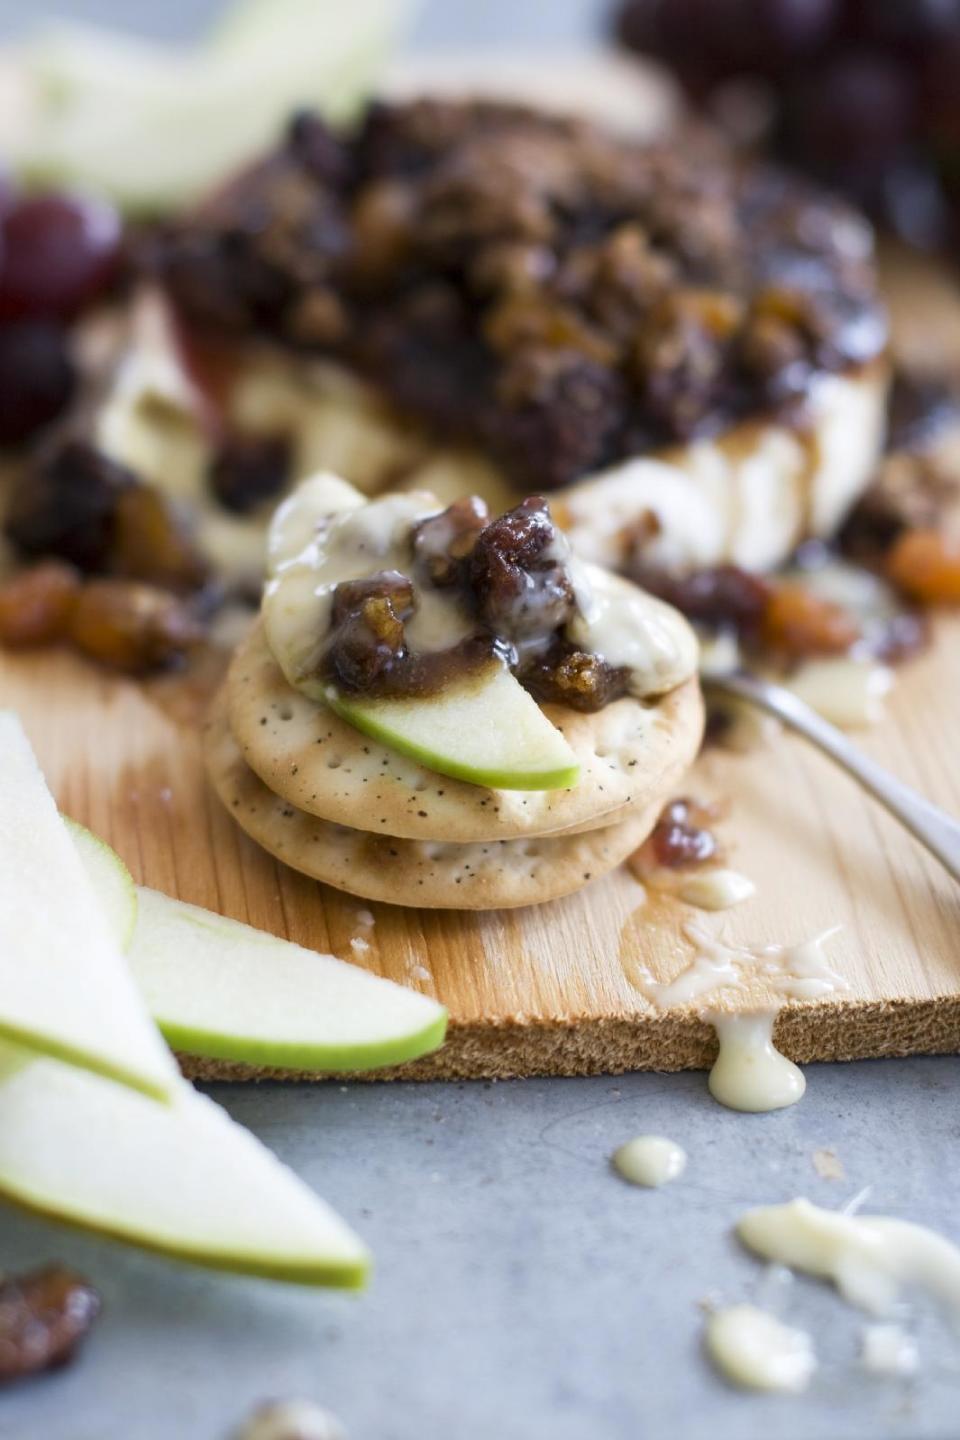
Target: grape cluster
[[863, 94], [58, 253]]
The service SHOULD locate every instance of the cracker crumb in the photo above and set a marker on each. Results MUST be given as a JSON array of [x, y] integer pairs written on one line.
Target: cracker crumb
[[828, 1165]]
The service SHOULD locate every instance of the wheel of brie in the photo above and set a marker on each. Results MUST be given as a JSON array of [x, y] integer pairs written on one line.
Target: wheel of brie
[[684, 349]]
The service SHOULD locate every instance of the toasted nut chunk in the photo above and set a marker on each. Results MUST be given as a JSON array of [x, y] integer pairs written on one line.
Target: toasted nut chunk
[[36, 604], [133, 627], [925, 564]]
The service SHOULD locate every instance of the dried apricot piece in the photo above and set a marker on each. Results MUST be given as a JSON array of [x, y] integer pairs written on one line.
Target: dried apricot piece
[[925, 564], [151, 543], [133, 627], [796, 622], [36, 604]]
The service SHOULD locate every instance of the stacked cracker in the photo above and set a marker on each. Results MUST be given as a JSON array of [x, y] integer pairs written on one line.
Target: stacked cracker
[[336, 805]]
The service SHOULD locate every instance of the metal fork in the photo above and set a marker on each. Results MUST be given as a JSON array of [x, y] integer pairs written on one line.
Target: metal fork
[[933, 827]]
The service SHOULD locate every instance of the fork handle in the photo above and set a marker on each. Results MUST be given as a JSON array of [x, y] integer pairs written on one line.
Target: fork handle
[[933, 827]]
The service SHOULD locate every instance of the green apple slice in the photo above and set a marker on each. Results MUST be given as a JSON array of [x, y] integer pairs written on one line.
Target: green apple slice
[[110, 879], [488, 730], [222, 989], [65, 990], [182, 1179], [192, 117]]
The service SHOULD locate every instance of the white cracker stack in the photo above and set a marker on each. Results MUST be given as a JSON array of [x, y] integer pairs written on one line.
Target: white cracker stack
[[340, 807]]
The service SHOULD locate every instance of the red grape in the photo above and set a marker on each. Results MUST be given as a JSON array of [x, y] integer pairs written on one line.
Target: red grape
[[37, 378], [851, 119], [907, 27], [58, 253], [709, 40]]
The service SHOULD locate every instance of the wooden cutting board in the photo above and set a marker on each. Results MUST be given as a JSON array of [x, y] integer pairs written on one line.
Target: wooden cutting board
[[547, 990]]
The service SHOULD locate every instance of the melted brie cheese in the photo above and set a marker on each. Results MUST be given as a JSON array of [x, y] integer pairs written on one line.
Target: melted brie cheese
[[325, 533]]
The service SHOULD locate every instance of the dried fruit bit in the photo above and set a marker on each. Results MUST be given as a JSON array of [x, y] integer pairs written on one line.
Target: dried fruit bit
[[797, 622], [36, 604], [569, 677], [78, 504], [681, 837], [66, 505], [37, 378], [151, 543], [133, 627], [291, 1420], [44, 1316], [249, 470], [925, 565]]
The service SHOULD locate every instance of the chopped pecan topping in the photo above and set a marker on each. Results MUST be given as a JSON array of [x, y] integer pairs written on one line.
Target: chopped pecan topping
[[563, 295], [510, 575], [367, 636], [565, 676], [44, 1316], [908, 492], [152, 542]]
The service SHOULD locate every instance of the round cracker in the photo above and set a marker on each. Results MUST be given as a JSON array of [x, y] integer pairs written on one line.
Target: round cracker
[[631, 753], [495, 875]]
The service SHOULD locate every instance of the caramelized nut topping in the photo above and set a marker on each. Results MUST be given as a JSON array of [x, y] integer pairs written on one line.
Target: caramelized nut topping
[[565, 676], [519, 576], [367, 637], [508, 578], [562, 295], [44, 1316]]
